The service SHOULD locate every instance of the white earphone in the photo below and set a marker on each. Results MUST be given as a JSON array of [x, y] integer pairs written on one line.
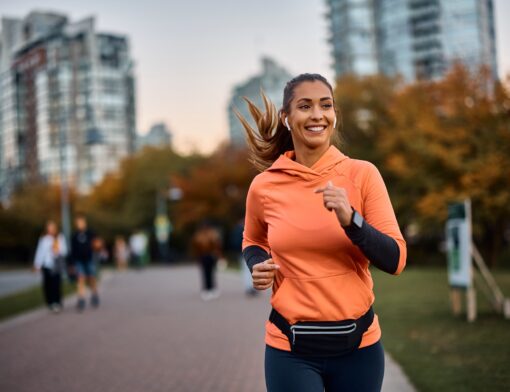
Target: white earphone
[[287, 123], [334, 123]]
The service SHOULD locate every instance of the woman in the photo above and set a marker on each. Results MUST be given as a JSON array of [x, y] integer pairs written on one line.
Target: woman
[[121, 253], [206, 246], [316, 219], [49, 258]]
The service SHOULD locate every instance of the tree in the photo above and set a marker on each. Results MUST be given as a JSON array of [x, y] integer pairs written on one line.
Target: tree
[[449, 140], [126, 200], [435, 143], [215, 188], [23, 221]]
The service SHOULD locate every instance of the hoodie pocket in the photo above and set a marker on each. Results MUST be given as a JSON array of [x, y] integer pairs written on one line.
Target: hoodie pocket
[[330, 298]]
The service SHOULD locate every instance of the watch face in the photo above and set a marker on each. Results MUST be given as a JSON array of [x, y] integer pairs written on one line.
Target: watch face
[[357, 219]]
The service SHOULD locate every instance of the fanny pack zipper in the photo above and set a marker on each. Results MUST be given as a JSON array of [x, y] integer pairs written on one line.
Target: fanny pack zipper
[[316, 330]]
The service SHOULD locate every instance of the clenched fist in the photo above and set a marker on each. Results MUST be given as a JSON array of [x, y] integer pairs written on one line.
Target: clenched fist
[[263, 274]]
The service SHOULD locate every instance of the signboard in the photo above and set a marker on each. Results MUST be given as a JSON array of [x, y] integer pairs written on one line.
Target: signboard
[[163, 228], [458, 244]]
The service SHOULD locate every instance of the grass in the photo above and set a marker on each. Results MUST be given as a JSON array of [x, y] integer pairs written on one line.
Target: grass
[[440, 352], [28, 299]]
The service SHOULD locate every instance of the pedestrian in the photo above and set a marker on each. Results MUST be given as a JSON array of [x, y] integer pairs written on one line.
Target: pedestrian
[[82, 257], [121, 253], [50, 260], [315, 220], [138, 248], [206, 246], [99, 252]]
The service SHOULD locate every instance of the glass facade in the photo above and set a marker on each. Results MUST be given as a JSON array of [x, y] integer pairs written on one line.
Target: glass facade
[[353, 36], [417, 39], [71, 92]]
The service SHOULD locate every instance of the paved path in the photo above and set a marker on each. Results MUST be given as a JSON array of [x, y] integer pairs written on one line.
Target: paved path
[[152, 333], [18, 280]]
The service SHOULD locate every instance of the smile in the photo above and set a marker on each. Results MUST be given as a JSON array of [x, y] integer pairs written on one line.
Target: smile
[[316, 128]]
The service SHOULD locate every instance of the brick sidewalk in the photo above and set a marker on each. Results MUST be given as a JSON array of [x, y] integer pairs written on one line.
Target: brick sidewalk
[[152, 333]]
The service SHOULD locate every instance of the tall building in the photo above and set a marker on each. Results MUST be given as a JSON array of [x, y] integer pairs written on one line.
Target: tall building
[[271, 80], [353, 36], [418, 39], [158, 136], [67, 101]]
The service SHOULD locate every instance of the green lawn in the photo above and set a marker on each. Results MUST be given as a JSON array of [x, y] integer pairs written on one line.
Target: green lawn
[[438, 351], [25, 300]]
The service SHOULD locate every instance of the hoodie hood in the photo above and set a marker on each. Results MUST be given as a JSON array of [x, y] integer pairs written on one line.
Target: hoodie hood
[[286, 164]]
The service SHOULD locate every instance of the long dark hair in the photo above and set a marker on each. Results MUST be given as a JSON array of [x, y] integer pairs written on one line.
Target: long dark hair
[[272, 138]]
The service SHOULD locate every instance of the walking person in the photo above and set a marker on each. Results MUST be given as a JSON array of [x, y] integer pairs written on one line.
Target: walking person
[[206, 246], [315, 221], [121, 253], [50, 259], [82, 257], [138, 248]]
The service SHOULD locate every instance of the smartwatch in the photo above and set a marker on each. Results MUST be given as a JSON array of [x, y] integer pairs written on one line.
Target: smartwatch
[[356, 220]]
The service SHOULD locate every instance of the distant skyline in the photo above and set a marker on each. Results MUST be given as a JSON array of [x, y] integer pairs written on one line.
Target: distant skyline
[[189, 55]]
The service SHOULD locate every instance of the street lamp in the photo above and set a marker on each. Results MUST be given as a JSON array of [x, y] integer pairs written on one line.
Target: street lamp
[[93, 137], [162, 224], [64, 189]]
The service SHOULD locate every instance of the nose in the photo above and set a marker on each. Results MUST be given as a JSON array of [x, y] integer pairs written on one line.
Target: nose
[[316, 113]]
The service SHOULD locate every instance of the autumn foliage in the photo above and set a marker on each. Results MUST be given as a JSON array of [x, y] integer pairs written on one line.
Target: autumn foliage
[[434, 143]]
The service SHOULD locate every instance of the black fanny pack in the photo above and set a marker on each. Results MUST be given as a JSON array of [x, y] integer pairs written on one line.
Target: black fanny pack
[[323, 338]]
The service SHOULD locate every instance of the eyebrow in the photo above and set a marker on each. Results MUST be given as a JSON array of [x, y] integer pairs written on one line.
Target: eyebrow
[[309, 99]]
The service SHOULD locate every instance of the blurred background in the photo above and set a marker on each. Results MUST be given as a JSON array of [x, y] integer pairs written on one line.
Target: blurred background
[[123, 111]]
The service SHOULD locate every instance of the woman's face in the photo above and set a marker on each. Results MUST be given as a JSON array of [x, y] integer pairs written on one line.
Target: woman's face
[[312, 115], [51, 228]]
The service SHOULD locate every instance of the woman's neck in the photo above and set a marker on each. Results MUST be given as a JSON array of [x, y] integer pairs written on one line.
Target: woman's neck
[[307, 156]]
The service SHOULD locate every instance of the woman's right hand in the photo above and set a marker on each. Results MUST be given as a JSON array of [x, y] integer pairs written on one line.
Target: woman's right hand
[[263, 274]]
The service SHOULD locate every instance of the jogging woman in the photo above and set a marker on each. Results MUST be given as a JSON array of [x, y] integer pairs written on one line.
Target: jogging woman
[[315, 220]]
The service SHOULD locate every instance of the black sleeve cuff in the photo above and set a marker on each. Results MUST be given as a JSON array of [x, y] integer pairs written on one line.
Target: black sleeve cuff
[[253, 255]]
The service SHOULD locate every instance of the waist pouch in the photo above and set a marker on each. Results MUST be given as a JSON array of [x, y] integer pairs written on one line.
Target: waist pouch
[[323, 338]]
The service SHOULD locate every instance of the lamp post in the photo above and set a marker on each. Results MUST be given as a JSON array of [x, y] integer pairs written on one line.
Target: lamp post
[[162, 224], [64, 189], [93, 137]]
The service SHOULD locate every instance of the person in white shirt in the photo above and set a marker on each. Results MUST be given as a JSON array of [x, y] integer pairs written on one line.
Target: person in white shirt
[[137, 246], [50, 260]]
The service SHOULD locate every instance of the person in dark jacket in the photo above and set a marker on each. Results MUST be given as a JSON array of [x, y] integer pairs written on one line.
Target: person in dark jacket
[[82, 258]]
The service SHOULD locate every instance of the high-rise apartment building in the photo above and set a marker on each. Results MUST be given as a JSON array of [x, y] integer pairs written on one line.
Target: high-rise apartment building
[[272, 81], [67, 101], [353, 36], [418, 39], [158, 136]]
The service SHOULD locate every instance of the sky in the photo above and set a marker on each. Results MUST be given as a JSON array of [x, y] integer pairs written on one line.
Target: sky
[[190, 54]]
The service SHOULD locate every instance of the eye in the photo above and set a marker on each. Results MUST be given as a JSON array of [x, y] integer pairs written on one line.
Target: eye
[[304, 107], [327, 106]]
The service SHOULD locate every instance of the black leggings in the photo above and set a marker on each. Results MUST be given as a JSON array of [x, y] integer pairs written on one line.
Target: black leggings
[[208, 264], [361, 371], [51, 287]]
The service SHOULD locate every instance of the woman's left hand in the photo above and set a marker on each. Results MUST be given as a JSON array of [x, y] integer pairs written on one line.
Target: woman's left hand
[[335, 199]]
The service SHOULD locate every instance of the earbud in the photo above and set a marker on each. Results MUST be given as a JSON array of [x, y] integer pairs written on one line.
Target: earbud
[[287, 123], [334, 123]]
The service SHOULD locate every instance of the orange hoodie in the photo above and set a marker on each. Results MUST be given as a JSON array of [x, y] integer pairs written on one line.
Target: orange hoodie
[[322, 275]]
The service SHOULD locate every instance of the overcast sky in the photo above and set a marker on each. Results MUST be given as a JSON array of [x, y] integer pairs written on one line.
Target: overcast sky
[[189, 54]]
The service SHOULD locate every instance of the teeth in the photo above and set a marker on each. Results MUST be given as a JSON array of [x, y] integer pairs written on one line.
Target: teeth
[[316, 129]]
